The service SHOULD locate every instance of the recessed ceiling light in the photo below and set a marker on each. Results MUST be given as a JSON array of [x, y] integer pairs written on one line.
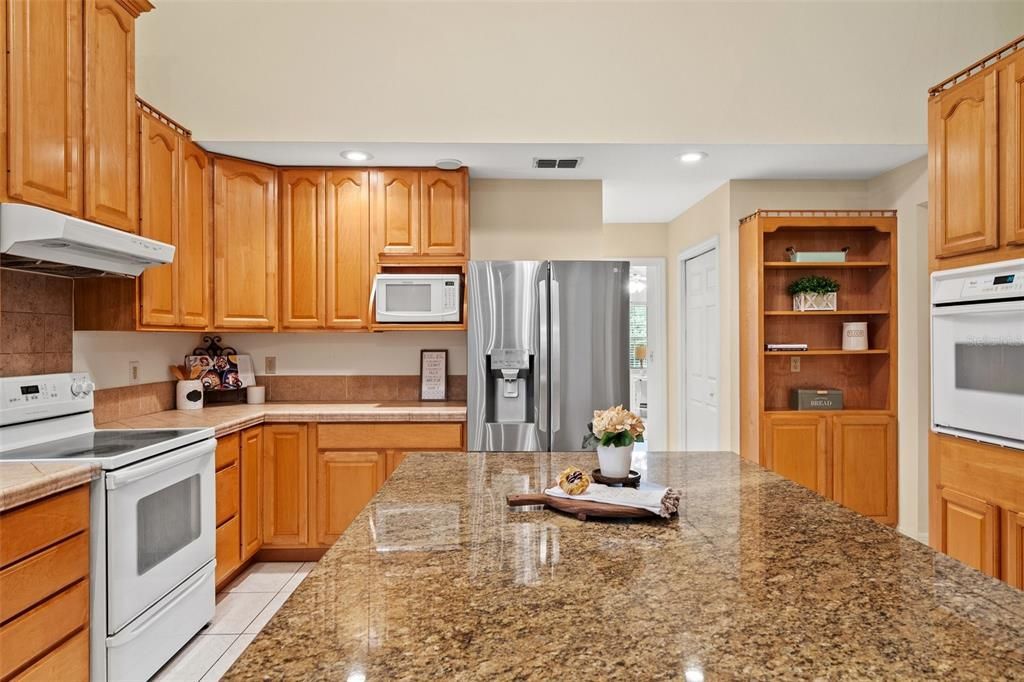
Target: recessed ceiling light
[[448, 164], [356, 155], [693, 157]]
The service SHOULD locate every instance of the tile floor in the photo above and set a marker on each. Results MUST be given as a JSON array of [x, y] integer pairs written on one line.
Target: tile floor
[[243, 608]]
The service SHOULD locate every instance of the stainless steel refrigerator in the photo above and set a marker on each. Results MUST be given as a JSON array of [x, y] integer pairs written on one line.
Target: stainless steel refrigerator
[[548, 344]]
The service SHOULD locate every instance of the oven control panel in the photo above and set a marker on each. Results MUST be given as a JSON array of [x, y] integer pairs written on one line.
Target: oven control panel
[[44, 395], [1008, 284], [979, 283]]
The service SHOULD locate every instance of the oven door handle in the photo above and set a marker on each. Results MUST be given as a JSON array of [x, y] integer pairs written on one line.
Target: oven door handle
[[978, 308], [159, 463]]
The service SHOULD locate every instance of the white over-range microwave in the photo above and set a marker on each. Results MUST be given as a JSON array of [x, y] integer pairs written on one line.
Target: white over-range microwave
[[418, 298]]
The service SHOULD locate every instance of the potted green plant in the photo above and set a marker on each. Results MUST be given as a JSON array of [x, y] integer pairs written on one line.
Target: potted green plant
[[613, 432], [814, 292]]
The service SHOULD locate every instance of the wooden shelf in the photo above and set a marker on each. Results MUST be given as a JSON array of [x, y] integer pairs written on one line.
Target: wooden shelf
[[787, 265], [828, 351], [810, 313], [851, 412]]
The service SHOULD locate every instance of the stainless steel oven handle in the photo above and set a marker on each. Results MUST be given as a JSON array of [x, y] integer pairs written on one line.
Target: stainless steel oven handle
[[159, 463]]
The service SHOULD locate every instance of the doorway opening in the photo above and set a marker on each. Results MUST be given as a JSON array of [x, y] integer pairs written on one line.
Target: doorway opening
[[648, 390], [700, 355]]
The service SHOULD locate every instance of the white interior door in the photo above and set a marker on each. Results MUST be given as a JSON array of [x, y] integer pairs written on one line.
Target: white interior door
[[702, 348]]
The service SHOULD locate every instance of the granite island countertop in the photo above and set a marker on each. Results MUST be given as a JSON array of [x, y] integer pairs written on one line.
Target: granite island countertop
[[232, 417], [24, 482], [757, 578]]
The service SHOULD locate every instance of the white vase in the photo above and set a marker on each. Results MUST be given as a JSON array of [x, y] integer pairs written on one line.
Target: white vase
[[615, 461]]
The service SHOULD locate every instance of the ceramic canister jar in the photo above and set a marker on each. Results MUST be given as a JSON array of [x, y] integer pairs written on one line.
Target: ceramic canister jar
[[855, 335], [190, 395]]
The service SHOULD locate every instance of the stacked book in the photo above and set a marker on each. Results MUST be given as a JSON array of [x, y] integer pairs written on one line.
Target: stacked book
[[785, 346]]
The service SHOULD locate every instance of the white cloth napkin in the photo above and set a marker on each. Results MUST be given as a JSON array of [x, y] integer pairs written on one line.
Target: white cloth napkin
[[648, 496]]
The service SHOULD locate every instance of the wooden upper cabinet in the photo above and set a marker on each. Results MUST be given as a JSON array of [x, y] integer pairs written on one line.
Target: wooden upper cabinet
[[969, 530], [864, 465], [796, 447], [965, 167], [111, 139], [245, 245], [302, 248], [285, 485], [44, 104], [194, 254], [443, 213], [159, 163], [1013, 229], [347, 236], [396, 212]]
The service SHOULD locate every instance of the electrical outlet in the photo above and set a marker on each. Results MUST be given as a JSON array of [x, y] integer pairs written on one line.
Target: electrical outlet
[[794, 364], [270, 364], [133, 371]]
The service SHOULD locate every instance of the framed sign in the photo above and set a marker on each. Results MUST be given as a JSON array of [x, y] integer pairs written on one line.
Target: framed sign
[[434, 375]]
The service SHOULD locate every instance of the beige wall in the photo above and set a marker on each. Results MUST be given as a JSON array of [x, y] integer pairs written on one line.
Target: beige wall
[[610, 71]]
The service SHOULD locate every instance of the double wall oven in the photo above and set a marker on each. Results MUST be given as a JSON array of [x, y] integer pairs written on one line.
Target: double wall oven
[[152, 533], [978, 353]]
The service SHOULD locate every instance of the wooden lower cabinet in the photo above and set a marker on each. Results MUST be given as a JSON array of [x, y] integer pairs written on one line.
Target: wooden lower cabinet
[[285, 485], [229, 549], [969, 530], [864, 476], [345, 482], [252, 483], [1013, 548], [796, 447]]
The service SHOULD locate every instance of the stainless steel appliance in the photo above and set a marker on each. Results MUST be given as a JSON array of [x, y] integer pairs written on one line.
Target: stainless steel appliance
[[418, 298], [548, 344], [978, 352], [152, 534]]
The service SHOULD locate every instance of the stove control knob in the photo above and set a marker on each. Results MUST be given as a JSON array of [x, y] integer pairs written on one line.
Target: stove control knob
[[77, 388], [87, 387]]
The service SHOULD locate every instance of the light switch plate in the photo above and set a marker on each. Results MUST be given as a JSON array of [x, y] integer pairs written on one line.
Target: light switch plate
[[270, 364], [794, 364]]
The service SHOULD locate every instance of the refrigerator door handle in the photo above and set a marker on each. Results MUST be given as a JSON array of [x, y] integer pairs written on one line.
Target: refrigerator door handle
[[542, 360], [556, 360]]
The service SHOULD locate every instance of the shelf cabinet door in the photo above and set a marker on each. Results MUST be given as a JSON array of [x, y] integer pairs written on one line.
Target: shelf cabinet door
[[111, 138], [302, 248], [969, 530], [396, 212], [245, 245], [965, 150], [1013, 549], [158, 159], [443, 218], [345, 483], [194, 254], [44, 103], [1014, 228], [285, 485], [348, 235], [252, 482], [228, 556], [864, 465], [796, 447]]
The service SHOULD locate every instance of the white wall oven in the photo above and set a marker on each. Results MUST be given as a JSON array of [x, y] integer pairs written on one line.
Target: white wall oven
[[978, 353]]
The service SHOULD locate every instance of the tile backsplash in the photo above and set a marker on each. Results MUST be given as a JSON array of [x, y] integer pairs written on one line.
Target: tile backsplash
[[36, 323]]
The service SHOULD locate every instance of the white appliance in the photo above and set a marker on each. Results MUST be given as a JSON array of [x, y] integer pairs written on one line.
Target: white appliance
[[41, 240], [152, 532], [418, 298], [978, 353]]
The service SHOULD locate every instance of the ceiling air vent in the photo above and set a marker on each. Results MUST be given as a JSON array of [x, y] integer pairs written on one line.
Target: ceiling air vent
[[558, 163]]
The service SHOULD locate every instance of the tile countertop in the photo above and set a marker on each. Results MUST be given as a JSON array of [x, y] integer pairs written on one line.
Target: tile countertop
[[227, 418], [23, 482], [758, 578]]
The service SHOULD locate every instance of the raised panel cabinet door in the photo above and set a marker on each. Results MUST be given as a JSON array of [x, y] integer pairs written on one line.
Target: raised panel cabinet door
[[966, 158], [158, 163], [1013, 549], [228, 549], [443, 212], [395, 457], [1014, 228], [796, 447], [245, 245], [194, 253], [111, 140], [864, 465], [969, 530], [252, 482], [6, 93], [345, 483], [302, 248], [285, 485], [348, 250], [45, 103], [396, 212]]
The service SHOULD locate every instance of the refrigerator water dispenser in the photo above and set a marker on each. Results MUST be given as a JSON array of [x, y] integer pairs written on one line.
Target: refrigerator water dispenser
[[510, 390]]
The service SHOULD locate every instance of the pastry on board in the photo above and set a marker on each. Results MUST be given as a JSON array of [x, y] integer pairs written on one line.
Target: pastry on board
[[573, 481]]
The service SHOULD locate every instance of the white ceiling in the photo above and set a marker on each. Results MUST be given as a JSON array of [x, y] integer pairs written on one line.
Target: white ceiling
[[641, 182]]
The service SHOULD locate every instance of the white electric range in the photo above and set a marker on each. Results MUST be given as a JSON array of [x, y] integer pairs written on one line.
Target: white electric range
[[152, 526]]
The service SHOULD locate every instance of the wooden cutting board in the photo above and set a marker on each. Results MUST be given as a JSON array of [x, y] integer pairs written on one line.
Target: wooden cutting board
[[581, 509]]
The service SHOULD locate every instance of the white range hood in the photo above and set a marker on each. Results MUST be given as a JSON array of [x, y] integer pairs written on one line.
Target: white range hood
[[41, 240]]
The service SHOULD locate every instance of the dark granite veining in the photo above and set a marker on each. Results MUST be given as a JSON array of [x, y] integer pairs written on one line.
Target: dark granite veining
[[758, 578]]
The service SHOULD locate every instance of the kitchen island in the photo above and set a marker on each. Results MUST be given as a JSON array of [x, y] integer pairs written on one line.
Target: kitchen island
[[757, 578]]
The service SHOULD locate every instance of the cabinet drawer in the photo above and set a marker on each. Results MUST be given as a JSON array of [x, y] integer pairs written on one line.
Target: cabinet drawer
[[30, 528], [41, 629], [229, 548], [227, 450], [227, 493], [390, 436], [34, 579], [69, 662]]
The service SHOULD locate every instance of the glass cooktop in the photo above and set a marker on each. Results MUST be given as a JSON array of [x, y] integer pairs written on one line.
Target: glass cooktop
[[96, 444]]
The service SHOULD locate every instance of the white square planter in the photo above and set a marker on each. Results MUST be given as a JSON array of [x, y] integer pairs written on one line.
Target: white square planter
[[807, 301]]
